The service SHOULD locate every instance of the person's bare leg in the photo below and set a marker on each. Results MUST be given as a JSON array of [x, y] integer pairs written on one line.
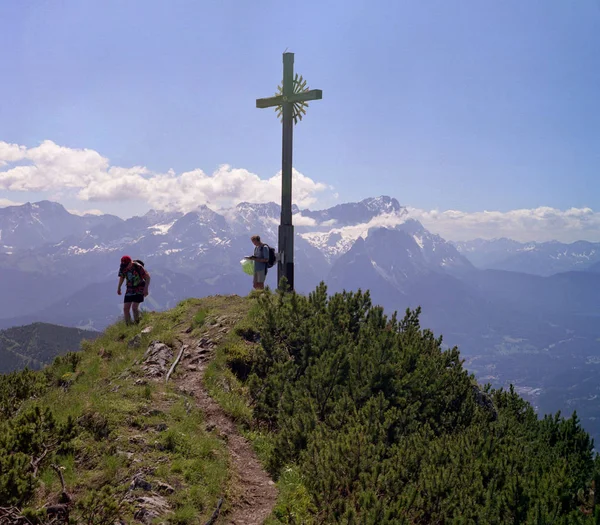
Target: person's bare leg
[[126, 312], [136, 312]]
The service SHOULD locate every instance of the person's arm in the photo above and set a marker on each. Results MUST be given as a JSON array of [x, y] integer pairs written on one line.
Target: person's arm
[[121, 279], [255, 258], [147, 279]]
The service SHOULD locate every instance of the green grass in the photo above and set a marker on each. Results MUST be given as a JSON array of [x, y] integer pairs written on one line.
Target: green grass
[[226, 389], [294, 505], [117, 423], [199, 318]]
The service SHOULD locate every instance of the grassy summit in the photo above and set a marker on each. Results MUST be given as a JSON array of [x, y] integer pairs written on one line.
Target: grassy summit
[[358, 417]]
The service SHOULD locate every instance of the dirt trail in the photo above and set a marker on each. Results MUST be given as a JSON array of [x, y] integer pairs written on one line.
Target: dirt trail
[[254, 492]]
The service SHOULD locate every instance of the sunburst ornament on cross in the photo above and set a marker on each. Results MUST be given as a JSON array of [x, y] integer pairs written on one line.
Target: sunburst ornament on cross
[[299, 106], [290, 103]]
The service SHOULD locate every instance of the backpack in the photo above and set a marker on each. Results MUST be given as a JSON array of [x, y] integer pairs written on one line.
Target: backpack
[[272, 257], [139, 267]]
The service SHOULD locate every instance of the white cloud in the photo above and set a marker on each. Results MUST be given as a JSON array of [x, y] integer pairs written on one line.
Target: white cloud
[[10, 153], [301, 220], [82, 213], [53, 168], [7, 202], [84, 173], [536, 224]]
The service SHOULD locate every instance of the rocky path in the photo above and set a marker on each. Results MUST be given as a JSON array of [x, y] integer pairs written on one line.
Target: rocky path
[[254, 493]]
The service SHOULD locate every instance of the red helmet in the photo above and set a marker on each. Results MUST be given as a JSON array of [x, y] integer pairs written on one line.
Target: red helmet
[[125, 259]]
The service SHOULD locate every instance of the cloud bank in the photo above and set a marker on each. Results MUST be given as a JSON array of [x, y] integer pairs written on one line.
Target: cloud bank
[[536, 224], [90, 177]]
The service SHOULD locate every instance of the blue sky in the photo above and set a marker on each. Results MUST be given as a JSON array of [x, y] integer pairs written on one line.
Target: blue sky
[[471, 105]]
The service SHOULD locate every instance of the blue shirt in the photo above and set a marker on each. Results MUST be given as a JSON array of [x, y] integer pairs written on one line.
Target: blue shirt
[[262, 252]]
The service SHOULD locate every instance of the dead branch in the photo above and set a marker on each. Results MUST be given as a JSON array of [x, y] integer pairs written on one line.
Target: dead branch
[[12, 515], [183, 349], [35, 463], [215, 514], [65, 495]]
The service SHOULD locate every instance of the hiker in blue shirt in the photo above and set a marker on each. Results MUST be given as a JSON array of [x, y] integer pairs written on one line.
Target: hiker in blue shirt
[[260, 258]]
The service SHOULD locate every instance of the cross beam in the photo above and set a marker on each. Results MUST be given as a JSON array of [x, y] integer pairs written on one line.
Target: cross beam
[[292, 100], [305, 96]]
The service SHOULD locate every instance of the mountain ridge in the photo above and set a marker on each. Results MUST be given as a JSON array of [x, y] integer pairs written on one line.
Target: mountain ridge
[[37, 344]]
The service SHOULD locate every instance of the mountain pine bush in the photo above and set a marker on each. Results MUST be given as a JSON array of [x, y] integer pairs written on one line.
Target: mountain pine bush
[[386, 427]]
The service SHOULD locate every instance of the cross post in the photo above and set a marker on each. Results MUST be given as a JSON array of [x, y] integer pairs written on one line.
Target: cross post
[[293, 97]]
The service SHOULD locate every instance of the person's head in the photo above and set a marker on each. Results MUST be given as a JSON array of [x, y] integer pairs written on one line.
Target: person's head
[[125, 262], [255, 240]]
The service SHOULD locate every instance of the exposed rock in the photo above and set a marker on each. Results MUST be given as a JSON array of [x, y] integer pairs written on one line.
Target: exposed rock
[[157, 359], [164, 488], [149, 508], [147, 330], [153, 412], [128, 455], [138, 482], [161, 427], [104, 354], [135, 342], [485, 401]]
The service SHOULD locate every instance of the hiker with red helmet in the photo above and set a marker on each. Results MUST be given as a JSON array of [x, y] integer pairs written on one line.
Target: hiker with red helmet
[[138, 282]]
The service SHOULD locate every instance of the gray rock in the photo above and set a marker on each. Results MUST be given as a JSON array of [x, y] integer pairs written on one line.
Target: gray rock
[[149, 508], [135, 342], [157, 359], [485, 401], [138, 482], [164, 488]]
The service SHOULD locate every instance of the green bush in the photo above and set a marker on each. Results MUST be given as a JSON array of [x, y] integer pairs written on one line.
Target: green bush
[[385, 426], [28, 443]]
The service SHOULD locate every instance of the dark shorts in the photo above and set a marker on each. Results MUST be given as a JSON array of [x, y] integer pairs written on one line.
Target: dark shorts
[[134, 298]]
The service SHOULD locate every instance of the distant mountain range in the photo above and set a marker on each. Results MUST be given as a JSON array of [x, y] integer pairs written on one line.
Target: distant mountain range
[[545, 258], [36, 345], [521, 313]]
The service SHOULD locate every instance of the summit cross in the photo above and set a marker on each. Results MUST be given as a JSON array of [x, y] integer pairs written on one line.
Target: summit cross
[[290, 103]]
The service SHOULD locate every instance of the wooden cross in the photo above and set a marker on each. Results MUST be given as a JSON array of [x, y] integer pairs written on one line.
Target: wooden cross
[[290, 103]]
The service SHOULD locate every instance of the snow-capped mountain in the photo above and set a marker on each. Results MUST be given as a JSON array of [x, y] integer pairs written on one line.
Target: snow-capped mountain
[[32, 225], [545, 258], [207, 245], [352, 213]]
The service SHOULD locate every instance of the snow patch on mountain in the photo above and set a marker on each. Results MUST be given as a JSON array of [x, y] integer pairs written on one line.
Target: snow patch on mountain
[[161, 229], [338, 241]]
